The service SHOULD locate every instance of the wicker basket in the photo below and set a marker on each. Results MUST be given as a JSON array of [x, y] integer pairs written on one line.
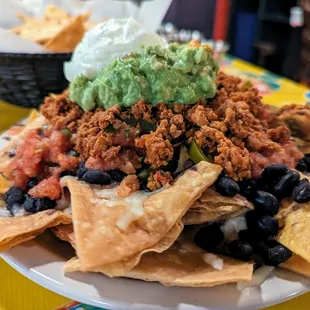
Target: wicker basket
[[26, 78]]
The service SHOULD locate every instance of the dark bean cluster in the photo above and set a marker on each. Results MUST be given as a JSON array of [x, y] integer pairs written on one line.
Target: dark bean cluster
[[276, 183], [100, 177], [16, 196]]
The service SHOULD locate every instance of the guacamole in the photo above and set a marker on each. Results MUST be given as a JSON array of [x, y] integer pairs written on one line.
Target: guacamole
[[178, 73]]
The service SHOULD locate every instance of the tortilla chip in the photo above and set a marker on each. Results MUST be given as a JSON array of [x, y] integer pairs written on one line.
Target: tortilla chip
[[183, 265], [119, 269], [68, 38], [53, 12], [295, 234], [64, 233], [17, 230], [99, 241], [212, 206], [298, 265], [17, 140], [4, 185]]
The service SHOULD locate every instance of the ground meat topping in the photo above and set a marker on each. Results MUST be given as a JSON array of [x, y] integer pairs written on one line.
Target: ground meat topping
[[129, 185], [234, 128], [61, 111], [158, 151], [158, 179]]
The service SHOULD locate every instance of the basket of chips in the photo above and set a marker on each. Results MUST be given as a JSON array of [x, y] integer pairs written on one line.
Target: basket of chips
[[27, 77]]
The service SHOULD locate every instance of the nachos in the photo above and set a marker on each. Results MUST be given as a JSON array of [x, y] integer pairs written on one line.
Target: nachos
[[160, 168]]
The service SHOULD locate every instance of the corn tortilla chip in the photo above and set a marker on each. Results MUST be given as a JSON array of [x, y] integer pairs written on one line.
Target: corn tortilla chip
[[118, 269], [298, 265], [17, 230], [16, 140], [64, 233], [295, 234], [212, 206], [100, 241], [183, 265], [68, 38]]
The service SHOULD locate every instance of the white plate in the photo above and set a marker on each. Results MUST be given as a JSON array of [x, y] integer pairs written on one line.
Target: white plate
[[42, 259]]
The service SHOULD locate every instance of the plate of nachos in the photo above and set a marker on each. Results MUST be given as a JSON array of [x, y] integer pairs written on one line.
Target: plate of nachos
[[157, 182]]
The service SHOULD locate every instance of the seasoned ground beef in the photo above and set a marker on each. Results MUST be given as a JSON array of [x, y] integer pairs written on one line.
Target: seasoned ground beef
[[233, 128]]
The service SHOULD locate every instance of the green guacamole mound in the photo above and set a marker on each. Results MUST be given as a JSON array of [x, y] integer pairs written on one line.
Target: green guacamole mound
[[178, 73]]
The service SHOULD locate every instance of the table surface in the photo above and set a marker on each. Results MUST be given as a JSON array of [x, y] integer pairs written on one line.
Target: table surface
[[17, 292]]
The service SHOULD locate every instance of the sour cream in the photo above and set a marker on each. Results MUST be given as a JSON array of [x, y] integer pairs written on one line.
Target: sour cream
[[105, 42]]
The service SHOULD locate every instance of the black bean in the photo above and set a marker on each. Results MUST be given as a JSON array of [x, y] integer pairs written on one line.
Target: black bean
[[263, 225], [15, 195], [286, 184], [227, 186], [273, 253], [250, 237], [266, 203], [116, 175], [209, 237], [96, 177], [32, 183], [82, 170], [66, 173], [240, 250], [301, 192], [248, 187], [12, 152], [34, 205], [302, 165], [274, 172]]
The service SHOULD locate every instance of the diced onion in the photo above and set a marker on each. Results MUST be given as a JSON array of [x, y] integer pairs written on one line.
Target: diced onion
[[213, 260], [5, 213], [231, 227], [259, 276]]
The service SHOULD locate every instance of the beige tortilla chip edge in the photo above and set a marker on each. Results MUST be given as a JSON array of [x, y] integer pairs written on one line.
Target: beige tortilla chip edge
[[68, 38], [17, 230], [297, 264]]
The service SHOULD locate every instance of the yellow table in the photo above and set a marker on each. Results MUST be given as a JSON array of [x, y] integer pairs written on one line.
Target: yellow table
[[17, 292]]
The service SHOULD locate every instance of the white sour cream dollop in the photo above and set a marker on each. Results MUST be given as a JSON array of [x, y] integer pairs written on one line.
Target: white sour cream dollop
[[105, 42]]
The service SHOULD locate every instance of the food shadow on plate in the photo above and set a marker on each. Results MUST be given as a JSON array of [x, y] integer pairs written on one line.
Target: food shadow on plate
[[144, 293], [53, 245]]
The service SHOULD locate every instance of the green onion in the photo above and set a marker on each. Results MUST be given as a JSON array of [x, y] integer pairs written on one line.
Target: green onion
[[110, 129], [196, 154], [144, 174], [66, 132]]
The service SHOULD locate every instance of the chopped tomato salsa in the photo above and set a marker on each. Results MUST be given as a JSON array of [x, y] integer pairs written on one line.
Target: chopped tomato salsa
[[39, 150], [47, 188]]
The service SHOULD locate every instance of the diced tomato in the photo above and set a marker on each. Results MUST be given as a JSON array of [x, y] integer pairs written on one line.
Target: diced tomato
[[58, 144], [47, 188], [68, 162]]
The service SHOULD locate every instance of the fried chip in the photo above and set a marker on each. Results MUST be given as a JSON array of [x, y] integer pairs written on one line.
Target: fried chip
[[185, 266], [68, 38], [64, 233], [53, 12], [295, 234], [298, 265], [5, 159], [4, 185], [100, 241], [212, 206], [17, 230], [120, 268]]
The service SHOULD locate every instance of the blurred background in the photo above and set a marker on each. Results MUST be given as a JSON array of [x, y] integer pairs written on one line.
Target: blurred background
[[274, 34]]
